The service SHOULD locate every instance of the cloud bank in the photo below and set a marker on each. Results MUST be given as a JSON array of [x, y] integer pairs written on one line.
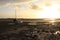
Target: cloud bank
[[3, 2]]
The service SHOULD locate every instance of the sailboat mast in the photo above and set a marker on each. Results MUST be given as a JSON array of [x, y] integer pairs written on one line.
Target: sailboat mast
[[15, 13]]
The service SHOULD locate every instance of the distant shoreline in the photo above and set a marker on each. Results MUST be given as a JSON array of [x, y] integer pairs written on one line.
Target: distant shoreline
[[30, 19]]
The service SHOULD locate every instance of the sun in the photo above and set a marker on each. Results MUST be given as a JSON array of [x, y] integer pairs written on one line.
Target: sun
[[50, 11]]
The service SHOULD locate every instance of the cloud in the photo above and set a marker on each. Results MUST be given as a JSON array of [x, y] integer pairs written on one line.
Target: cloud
[[3, 2], [34, 7]]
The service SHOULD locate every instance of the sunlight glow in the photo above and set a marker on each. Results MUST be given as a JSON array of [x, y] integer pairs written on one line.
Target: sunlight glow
[[49, 12]]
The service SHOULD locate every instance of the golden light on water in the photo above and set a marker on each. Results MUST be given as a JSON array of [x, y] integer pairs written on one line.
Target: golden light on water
[[52, 21]]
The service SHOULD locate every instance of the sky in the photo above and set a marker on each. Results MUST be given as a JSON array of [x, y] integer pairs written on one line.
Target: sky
[[30, 8]]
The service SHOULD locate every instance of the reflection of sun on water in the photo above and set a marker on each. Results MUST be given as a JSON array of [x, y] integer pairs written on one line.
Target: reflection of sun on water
[[52, 21]]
